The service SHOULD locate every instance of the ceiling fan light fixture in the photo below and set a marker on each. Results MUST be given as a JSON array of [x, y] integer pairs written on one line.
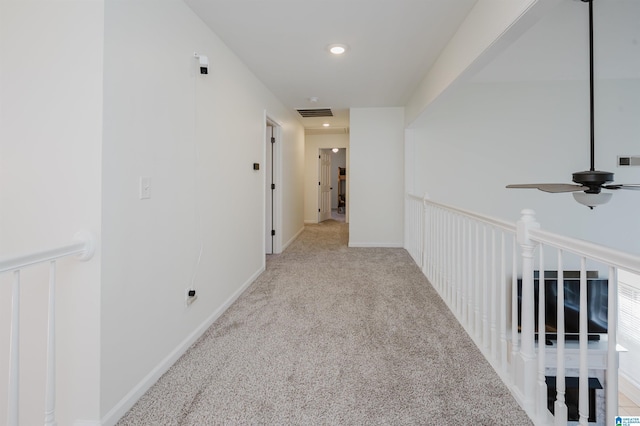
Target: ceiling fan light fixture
[[592, 200], [588, 184]]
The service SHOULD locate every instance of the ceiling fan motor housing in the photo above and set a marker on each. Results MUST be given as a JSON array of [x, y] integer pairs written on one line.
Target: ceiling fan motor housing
[[594, 179]]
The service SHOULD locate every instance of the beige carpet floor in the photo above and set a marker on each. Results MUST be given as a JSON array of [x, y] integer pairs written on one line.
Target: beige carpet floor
[[332, 335]]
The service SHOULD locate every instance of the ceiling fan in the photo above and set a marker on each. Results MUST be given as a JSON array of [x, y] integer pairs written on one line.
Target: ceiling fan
[[589, 184]]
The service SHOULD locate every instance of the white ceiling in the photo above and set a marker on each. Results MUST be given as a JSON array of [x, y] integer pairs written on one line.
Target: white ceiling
[[392, 45]]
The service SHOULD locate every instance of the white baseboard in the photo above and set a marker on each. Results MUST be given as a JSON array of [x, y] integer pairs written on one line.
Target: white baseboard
[[87, 423], [121, 408], [288, 243], [629, 387], [373, 245]]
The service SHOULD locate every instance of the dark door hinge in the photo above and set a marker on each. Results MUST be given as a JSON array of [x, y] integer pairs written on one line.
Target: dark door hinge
[[273, 186], [273, 140], [273, 232]]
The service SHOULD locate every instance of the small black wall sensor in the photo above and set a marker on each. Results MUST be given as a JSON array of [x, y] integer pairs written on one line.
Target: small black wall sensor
[[256, 166]]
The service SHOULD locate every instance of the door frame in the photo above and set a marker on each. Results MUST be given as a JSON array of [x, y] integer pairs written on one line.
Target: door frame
[[276, 171]]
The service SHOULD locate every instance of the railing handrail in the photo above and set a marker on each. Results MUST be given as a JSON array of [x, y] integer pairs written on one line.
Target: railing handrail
[[83, 246], [506, 225], [597, 252], [465, 257]]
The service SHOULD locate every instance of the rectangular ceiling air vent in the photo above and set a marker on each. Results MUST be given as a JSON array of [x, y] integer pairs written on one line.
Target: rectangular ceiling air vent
[[316, 112]]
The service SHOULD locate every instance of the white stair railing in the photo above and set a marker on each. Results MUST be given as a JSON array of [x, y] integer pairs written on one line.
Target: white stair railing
[[611, 261], [463, 255], [475, 262], [83, 248]]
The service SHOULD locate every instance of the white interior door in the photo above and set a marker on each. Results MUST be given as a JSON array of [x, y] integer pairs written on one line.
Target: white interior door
[[324, 186]]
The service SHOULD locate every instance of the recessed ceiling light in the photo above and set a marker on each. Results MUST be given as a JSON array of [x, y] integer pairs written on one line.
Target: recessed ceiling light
[[326, 124], [337, 49], [335, 150]]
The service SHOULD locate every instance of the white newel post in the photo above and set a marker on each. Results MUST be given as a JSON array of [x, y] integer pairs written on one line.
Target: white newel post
[[526, 378], [425, 223]]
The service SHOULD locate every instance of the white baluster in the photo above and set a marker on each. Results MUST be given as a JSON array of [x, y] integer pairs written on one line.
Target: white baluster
[[542, 384], [560, 408], [455, 245], [14, 353], [456, 265], [527, 352], [420, 233], [438, 252], [425, 235], [485, 289], [503, 303], [461, 268], [432, 245], [515, 341], [50, 395], [447, 258], [612, 355], [477, 324], [437, 228], [469, 269], [583, 402], [494, 290], [426, 252]]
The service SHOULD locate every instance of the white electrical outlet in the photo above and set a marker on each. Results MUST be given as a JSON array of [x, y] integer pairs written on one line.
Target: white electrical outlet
[[145, 187]]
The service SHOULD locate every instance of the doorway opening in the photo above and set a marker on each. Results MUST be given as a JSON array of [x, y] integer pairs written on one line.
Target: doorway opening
[[332, 184]]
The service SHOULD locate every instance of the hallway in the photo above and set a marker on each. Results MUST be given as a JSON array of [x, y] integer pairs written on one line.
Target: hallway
[[332, 335]]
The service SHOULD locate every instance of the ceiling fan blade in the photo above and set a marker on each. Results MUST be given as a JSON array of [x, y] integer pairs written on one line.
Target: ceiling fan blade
[[551, 187], [633, 186]]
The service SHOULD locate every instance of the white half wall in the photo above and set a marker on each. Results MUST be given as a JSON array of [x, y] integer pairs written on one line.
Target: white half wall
[[50, 142], [376, 177], [196, 137]]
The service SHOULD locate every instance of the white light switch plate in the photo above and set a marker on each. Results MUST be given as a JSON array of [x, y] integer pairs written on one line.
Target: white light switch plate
[[145, 187]]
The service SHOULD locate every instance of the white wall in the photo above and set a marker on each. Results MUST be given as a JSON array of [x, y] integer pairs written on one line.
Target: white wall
[[313, 144], [291, 181], [376, 177], [493, 134], [197, 137], [50, 142]]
